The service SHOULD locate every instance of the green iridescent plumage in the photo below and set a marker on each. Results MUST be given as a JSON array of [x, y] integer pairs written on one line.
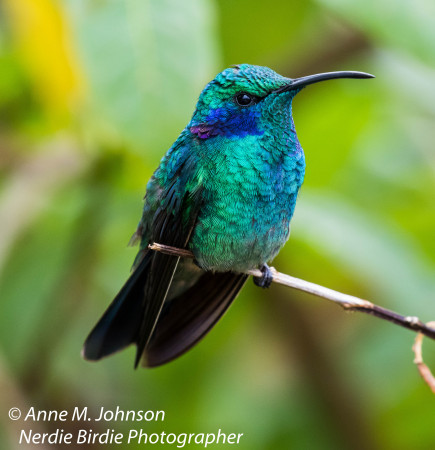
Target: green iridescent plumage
[[250, 170], [226, 190]]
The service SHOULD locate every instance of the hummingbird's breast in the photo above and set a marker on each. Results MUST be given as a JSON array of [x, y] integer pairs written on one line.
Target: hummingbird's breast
[[250, 196]]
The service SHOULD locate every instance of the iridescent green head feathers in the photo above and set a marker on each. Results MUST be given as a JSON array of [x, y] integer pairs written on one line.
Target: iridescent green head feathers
[[233, 104]]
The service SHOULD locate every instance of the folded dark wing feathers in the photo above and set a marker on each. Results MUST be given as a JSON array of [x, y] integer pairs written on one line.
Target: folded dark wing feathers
[[168, 228]]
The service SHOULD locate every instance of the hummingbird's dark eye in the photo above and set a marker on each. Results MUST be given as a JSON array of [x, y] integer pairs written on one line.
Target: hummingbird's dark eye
[[244, 99]]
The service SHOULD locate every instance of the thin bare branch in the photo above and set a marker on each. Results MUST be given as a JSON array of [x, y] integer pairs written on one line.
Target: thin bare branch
[[347, 302]]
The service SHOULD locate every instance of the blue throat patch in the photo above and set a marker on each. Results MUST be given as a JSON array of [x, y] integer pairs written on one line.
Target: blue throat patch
[[229, 123]]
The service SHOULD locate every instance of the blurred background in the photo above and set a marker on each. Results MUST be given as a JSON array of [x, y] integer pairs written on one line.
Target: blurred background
[[93, 93]]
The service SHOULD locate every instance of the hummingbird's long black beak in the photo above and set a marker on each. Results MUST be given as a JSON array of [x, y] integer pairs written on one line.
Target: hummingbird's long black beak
[[299, 83]]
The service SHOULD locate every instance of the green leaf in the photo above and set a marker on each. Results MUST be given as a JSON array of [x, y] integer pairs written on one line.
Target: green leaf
[[146, 63]]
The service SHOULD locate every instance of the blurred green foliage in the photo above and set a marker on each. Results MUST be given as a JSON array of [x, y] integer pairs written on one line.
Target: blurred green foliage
[[92, 93]]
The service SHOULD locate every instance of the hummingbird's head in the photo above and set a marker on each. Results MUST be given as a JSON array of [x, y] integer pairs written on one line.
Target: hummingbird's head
[[242, 99]]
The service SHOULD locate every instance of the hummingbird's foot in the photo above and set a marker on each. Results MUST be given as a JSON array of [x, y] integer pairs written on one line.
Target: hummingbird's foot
[[266, 279]]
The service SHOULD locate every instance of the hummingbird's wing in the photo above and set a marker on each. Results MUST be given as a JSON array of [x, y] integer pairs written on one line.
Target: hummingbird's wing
[[173, 223], [169, 218], [187, 318]]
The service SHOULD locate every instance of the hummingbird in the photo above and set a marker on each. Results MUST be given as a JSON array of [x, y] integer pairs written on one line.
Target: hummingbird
[[226, 190]]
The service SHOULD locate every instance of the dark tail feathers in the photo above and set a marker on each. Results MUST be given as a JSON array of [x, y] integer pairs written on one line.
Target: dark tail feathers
[[183, 322]]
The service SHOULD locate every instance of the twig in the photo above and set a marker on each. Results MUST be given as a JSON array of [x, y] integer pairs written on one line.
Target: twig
[[425, 372], [347, 302]]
